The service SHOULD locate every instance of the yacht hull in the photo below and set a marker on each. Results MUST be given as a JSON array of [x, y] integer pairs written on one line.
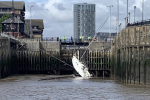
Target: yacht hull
[[80, 68]]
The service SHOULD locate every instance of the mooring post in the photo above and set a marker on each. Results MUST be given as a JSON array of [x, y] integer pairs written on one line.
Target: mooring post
[[108, 60], [139, 63], [94, 61], [91, 60], [134, 63], [101, 57], [121, 59], [49, 62], [24, 56], [128, 64], [98, 60], [144, 65], [124, 65], [139, 55], [130, 59], [33, 60]]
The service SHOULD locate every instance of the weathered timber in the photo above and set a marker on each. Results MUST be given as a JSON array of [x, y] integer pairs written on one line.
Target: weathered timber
[[130, 50]]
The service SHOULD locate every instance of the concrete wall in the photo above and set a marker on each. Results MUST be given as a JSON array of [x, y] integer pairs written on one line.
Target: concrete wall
[[98, 46], [36, 45], [8, 57], [4, 53], [50, 46], [131, 55], [33, 45], [139, 35]]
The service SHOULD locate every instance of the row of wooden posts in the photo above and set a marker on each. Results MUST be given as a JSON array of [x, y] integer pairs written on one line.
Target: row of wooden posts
[[25, 61], [39, 60], [8, 65], [132, 65]]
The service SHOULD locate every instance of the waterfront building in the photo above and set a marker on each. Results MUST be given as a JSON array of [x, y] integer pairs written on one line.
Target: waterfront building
[[18, 27], [6, 6], [37, 27], [84, 20], [20, 24], [19, 18]]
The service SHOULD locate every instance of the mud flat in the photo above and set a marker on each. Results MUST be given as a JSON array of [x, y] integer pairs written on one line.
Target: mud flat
[[41, 77], [57, 77]]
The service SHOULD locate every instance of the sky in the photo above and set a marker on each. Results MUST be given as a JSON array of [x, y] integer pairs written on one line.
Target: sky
[[58, 14]]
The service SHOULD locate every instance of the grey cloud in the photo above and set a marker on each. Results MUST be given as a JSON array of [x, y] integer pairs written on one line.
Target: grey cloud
[[59, 6], [63, 25], [53, 26]]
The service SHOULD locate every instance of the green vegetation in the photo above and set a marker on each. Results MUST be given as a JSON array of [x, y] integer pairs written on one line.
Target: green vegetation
[[3, 18]]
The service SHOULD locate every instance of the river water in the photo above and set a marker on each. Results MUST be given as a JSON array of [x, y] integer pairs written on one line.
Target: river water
[[33, 87]]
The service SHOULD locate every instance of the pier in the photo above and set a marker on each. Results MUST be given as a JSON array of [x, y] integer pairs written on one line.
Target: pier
[[130, 55], [73, 50], [126, 57], [50, 57]]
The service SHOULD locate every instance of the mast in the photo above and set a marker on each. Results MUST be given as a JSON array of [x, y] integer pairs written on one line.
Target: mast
[[94, 37], [12, 17], [74, 43], [18, 25], [117, 16]]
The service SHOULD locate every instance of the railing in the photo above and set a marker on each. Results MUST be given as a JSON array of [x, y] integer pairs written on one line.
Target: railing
[[66, 40], [51, 39], [144, 22]]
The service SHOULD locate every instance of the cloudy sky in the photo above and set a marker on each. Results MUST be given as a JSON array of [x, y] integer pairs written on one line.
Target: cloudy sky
[[58, 14]]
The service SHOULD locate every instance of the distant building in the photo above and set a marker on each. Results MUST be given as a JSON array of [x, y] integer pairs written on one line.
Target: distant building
[[105, 35], [19, 19], [84, 20], [21, 25], [5, 8], [37, 27], [18, 27]]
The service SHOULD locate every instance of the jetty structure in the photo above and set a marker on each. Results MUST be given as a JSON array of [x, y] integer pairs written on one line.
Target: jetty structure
[[125, 58]]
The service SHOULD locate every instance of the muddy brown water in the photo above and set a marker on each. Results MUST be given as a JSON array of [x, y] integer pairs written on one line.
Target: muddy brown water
[[33, 87]]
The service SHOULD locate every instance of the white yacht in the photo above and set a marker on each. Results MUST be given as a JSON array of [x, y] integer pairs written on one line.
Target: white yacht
[[79, 66]]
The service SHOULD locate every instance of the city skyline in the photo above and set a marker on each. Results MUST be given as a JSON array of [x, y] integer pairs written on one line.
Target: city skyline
[[58, 14]]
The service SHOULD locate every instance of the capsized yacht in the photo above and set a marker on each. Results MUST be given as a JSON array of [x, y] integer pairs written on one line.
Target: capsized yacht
[[79, 66]]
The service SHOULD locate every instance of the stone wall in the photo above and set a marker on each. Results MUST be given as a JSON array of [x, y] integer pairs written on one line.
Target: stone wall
[[131, 55], [32, 45], [7, 57], [50, 46], [99, 46], [36, 45]]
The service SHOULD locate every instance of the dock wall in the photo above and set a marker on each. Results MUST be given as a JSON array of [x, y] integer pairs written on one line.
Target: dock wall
[[8, 58], [36, 56], [130, 55]]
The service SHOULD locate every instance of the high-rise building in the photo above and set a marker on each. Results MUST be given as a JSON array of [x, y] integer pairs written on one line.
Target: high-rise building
[[84, 20]]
